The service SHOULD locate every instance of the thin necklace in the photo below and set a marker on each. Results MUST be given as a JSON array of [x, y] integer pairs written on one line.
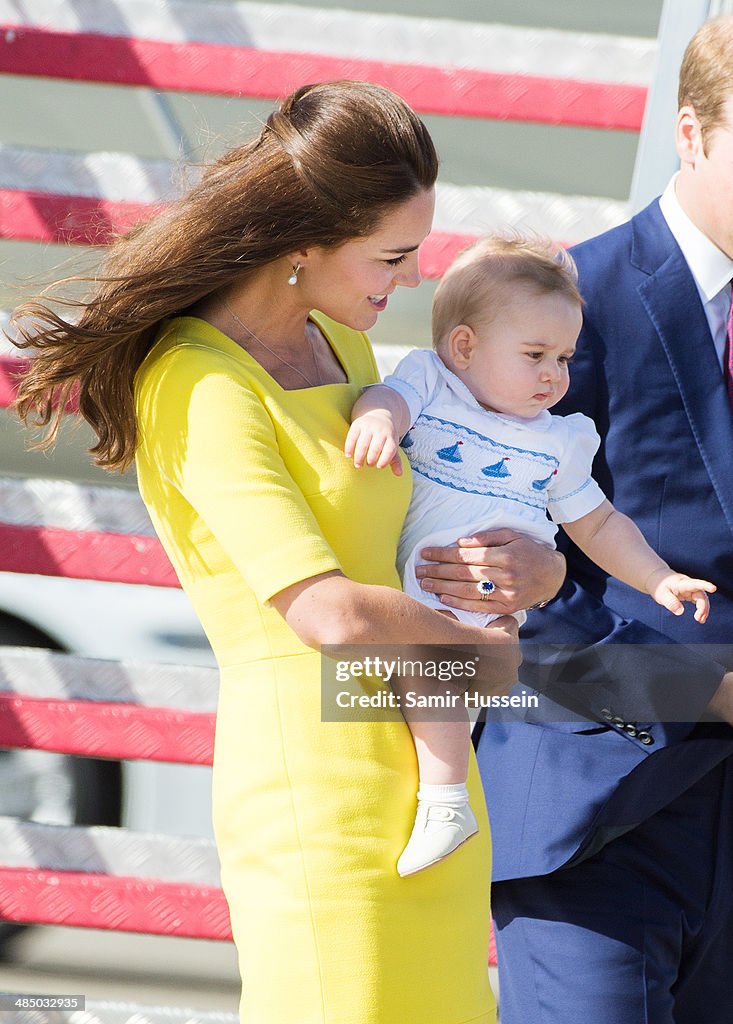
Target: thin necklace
[[272, 352]]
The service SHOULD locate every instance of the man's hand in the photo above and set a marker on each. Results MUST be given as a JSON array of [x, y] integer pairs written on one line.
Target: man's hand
[[524, 572]]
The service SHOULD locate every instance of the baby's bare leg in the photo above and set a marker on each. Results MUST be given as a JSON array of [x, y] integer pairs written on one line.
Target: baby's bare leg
[[439, 723], [442, 751], [442, 746], [438, 720]]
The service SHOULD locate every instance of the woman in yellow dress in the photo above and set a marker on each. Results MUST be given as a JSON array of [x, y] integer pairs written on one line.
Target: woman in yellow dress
[[222, 347]]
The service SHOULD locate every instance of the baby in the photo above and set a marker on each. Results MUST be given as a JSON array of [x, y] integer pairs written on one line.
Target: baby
[[472, 416]]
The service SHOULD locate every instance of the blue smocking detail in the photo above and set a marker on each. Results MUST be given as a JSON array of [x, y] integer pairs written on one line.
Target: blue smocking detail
[[497, 470]]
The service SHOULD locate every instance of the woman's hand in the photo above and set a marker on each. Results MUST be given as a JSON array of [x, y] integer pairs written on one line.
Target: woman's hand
[[500, 659], [493, 660], [524, 572], [506, 629]]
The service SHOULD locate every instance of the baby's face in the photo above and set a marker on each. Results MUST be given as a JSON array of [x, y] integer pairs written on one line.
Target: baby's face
[[519, 362]]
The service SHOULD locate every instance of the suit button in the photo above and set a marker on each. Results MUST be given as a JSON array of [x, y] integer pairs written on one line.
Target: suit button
[[619, 722], [645, 738], [631, 730], [607, 713]]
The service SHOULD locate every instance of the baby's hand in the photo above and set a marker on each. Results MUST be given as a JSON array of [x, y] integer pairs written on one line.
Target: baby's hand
[[372, 439], [671, 588]]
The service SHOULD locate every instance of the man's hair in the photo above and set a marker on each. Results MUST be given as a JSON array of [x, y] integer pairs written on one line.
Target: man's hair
[[706, 74], [483, 276]]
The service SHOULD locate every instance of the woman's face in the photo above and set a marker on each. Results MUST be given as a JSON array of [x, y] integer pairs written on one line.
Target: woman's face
[[352, 282]]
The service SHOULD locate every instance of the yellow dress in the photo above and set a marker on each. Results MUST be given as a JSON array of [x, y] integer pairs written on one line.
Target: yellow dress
[[250, 492]]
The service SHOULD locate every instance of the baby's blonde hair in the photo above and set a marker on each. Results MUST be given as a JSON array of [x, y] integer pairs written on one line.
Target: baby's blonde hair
[[474, 285]]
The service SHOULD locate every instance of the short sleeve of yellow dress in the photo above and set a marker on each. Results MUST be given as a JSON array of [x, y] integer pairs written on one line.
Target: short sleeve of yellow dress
[[250, 492]]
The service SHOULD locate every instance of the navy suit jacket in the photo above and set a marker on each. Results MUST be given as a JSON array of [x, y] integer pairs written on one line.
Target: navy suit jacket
[[646, 372]]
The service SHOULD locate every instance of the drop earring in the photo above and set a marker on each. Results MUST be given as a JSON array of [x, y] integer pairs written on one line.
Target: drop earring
[[293, 279]]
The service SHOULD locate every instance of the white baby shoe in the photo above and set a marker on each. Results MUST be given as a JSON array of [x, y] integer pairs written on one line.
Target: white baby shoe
[[440, 828]]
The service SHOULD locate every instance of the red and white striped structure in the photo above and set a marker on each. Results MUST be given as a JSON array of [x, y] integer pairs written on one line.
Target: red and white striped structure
[[105, 877], [255, 49], [86, 198], [101, 878], [97, 877], [105, 708], [441, 66], [55, 528]]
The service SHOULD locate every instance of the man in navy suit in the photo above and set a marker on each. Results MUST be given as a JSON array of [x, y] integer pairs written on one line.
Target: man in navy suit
[[613, 834]]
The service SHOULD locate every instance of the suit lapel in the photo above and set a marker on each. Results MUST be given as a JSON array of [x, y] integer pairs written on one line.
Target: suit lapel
[[671, 299]]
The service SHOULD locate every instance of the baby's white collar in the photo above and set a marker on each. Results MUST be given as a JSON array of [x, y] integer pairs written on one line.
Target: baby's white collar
[[542, 421]]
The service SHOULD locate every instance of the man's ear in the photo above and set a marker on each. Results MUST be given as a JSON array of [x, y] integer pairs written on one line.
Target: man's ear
[[688, 136], [461, 346]]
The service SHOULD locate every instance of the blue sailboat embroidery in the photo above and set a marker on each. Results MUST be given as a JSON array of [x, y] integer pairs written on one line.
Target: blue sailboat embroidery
[[497, 469], [451, 454], [539, 485]]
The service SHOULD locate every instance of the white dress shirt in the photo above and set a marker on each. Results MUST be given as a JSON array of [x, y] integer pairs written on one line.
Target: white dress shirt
[[711, 269]]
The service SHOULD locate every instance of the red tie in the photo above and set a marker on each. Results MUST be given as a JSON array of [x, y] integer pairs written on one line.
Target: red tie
[[728, 355]]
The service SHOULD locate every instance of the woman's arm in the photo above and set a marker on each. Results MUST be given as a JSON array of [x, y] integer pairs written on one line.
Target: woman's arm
[[331, 609]]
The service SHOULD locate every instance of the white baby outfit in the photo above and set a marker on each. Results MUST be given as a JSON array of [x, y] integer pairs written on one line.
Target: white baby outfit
[[477, 470]]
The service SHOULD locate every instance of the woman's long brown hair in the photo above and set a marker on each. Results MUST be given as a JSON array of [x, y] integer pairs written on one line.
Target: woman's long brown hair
[[325, 168]]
